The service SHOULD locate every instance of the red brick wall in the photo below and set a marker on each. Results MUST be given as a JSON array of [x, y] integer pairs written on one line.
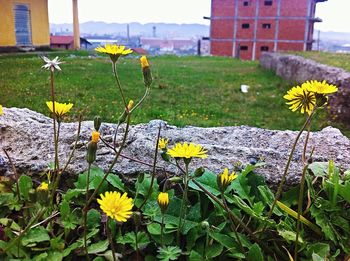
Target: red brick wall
[[294, 8], [221, 48], [222, 29], [292, 29]]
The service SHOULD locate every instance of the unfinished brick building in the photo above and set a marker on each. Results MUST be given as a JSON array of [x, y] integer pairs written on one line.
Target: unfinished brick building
[[245, 28]]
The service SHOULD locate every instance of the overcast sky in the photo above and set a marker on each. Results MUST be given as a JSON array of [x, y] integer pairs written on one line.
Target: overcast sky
[[335, 13]]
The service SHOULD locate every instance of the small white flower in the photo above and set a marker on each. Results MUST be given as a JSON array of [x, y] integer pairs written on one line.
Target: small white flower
[[51, 64]]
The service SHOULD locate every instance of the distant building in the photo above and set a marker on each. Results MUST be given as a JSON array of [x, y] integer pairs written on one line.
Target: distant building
[[66, 42], [169, 46], [245, 28], [23, 24]]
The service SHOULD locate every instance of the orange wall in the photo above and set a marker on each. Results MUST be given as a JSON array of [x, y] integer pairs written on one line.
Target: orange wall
[[39, 22]]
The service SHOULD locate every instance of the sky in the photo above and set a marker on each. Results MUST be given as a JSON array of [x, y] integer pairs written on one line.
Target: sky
[[334, 13]]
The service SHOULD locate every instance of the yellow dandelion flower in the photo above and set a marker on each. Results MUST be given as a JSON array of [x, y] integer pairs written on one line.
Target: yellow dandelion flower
[[43, 186], [163, 200], [162, 143], [60, 108], [224, 179], [116, 206], [95, 136], [114, 51], [320, 87], [187, 150], [300, 98], [1, 110], [144, 62]]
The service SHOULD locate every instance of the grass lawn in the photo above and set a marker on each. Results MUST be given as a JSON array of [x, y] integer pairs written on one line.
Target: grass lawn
[[200, 91], [340, 60]]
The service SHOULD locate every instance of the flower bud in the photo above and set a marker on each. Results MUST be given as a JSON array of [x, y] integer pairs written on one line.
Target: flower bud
[[175, 179], [199, 172], [165, 156], [163, 201], [137, 218], [146, 71], [42, 193], [97, 123], [205, 225], [130, 105], [91, 152], [95, 136], [224, 179]]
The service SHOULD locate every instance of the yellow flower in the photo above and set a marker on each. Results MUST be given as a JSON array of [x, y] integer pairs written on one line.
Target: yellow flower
[[116, 206], [114, 51], [163, 200], [300, 98], [130, 105], [1, 110], [224, 179], [95, 136], [60, 108], [144, 62], [43, 186], [320, 87], [187, 151], [162, 143]]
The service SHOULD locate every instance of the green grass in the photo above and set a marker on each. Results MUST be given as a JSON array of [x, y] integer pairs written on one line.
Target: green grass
[[199, 91], [340, 60]]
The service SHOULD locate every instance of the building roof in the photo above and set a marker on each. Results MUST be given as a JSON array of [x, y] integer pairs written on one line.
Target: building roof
[[65, 39]]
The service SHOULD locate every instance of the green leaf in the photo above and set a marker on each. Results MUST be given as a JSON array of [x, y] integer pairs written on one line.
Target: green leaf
[[214, 250], [321, 249], [35, 235], [290, 236], [25, 184], [93, 218], [96, 175], [116, 182], [73, 193], [169, 253], [319, 169], [242, 188], [64, 209], [225, 240], [208, 181], [130, 238], [344, 190], [255, 253], [98, 247], [154, 228], [195, 256]]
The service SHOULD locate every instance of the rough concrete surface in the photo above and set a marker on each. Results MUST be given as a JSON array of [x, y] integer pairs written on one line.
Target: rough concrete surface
[[27, 136]]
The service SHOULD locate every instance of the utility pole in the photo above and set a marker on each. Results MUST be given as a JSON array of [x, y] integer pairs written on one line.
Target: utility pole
[[76, 31]]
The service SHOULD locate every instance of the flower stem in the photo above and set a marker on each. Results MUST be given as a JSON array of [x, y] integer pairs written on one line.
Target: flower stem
[[234, 227], [162, 231], [15, 173], [85, 212], [285, 173], [110, 239], [112, 164], [142, 99], [119, 85], [153, 171], [183, 204]]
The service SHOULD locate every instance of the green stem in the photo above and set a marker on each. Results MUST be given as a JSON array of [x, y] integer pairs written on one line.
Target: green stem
[[285, 173], [54, 118], [153, 171], [162, 231], [183, 204], [119, 85], [15, 173], [112, 164], [234, 227], [110, 239], [142, 99], [85, 212], [300, 205]]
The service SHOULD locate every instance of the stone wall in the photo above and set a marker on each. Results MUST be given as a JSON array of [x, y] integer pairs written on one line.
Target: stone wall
[[299, 69], [27, 136]]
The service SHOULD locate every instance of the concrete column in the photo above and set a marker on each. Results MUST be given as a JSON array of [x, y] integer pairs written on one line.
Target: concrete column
[[76, 31]]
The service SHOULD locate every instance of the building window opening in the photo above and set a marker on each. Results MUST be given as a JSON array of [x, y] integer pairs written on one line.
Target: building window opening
[[268, 3], [245, 26], [266, 26], [243, 48], [264, 48], [246, 3]]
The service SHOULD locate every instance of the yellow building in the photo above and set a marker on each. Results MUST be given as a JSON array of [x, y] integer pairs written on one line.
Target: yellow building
[[24, 23]]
